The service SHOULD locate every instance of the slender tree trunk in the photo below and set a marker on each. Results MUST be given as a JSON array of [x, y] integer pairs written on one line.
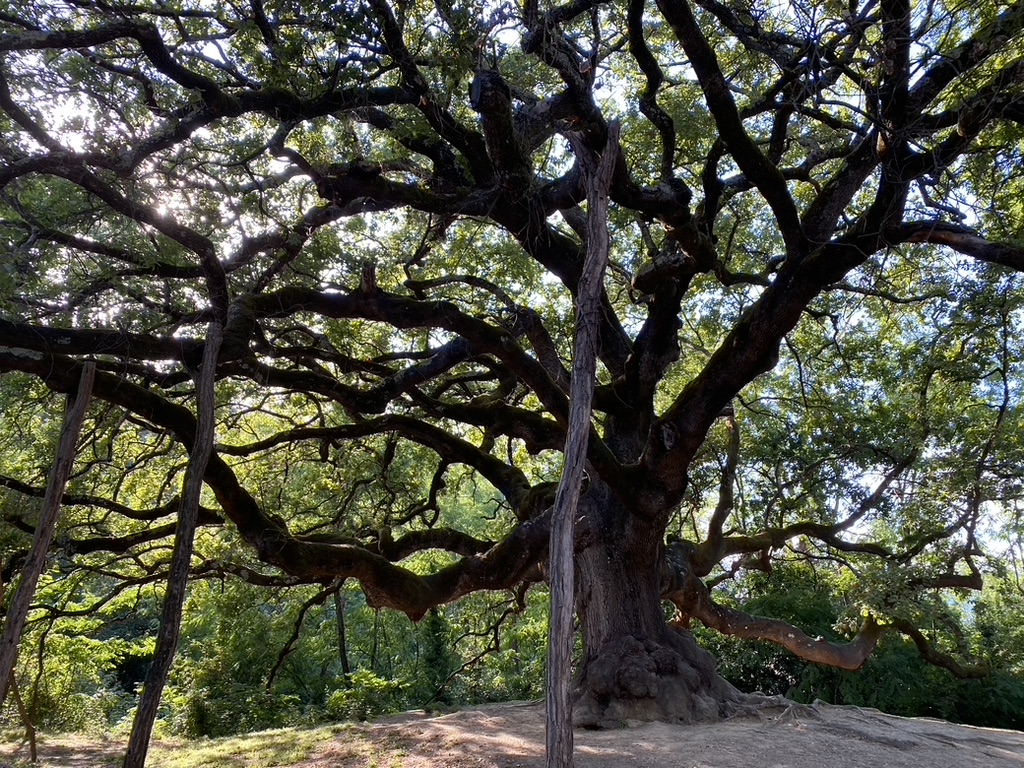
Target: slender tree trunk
[[19, 702], [181, 560], [26, 719], [18, 613], [376, 641], [339, 608], [598, 172]]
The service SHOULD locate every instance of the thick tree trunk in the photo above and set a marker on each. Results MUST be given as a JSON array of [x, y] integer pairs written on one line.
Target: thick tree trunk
[[635, 666]]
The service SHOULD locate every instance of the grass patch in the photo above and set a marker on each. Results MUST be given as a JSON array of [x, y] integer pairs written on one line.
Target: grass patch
[[278, 748], [266, 749]]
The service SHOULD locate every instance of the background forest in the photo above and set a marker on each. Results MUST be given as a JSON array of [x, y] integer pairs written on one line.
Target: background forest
[[255, 658]]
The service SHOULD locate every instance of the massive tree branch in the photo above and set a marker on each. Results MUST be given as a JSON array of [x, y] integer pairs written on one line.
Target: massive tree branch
[[509, 480], [962, 239], [386, 585], [689, 594]]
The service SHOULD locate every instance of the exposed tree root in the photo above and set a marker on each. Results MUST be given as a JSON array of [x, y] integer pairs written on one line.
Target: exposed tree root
[[776, 709]]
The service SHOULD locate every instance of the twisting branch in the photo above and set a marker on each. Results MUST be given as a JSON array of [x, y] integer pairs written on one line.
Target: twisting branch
[[23, 119], [934, 656], [690, 595], [985, 42], [648, 96], [710, 552], [469, 143], [509, 480], [748, 156], [99, 502]]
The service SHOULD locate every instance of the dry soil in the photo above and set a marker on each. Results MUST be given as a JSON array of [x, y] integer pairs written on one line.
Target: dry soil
[[512, 736], [823, 736]]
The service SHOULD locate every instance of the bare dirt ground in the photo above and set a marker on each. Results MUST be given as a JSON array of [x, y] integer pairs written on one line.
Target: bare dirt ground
[[823, 736], [512, 736]]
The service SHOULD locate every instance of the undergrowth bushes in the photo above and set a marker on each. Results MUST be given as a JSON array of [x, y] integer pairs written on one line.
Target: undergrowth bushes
[[241, 667]]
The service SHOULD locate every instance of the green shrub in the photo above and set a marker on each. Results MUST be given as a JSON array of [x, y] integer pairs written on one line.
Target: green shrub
[[368, 695], [225, 708]]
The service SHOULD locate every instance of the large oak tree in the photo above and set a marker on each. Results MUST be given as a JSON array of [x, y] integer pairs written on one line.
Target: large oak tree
[[807, 343]]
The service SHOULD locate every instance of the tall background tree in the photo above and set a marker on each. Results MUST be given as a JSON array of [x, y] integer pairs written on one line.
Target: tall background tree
[[807, 346]]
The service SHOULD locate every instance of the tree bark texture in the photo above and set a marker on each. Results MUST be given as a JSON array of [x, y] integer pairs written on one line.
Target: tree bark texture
[[636, 666], [36, 562], [598, 173], [188, 513]]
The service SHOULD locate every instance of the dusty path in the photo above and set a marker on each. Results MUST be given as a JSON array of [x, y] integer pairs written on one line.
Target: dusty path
[[512, 736]]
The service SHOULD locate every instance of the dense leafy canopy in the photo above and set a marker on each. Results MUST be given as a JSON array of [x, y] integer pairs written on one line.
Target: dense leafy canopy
[[809, 347]]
